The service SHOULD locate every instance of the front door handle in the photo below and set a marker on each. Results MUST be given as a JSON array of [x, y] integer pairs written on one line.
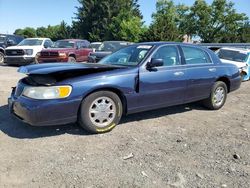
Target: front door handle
[[179, 73], [212, 69]]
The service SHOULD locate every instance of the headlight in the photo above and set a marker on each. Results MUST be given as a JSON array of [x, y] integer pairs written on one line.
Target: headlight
[[28, 52], [62, 54], [52, 92]]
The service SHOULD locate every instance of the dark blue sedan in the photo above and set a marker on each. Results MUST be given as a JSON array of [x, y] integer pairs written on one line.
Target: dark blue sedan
[[137, 78]]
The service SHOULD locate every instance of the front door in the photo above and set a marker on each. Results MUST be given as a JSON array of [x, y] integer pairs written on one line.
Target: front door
[[165, 85]]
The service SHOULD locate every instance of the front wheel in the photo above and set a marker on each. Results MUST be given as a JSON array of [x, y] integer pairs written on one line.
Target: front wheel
[[217, 96], [71, 59], [100, 112]]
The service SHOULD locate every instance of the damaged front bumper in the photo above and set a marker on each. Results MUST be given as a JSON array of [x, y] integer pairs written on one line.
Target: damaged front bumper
[[244, 72], [43, 112]]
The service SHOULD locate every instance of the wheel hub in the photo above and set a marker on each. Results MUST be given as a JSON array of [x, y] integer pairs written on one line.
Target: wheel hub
[[102, 111], [219, 96]]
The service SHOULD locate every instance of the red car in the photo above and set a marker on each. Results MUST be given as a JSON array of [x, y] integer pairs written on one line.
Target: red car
[[68, 50]]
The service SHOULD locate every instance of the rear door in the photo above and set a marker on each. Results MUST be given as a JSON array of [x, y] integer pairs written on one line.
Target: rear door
[[201, 73], [166, 85]]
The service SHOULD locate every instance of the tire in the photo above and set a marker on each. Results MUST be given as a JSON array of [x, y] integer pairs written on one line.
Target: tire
[[93, 114], [36, 60], [71, 59], [219, 89], [1, 58]]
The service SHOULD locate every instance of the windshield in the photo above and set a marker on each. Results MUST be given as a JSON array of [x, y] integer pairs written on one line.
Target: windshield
[[232, 55], [112, 46], [31, 42], [2, 39], [129, 56], [63, 44], [95, 45]]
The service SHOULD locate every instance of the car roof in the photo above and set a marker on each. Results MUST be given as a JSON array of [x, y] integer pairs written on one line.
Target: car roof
[[173, 43], [39, 38], [7, 35], [96, 42], [75, 40], [114, 41]]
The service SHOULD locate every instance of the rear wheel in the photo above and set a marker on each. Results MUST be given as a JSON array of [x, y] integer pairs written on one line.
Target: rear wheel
[[1, 58], [100, 112], [71, 59], [217, 96]]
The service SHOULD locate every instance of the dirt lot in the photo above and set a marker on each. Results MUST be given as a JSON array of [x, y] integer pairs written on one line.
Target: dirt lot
[[183, 146]]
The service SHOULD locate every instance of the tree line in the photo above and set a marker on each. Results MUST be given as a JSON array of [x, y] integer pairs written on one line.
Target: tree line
[[122, 20]]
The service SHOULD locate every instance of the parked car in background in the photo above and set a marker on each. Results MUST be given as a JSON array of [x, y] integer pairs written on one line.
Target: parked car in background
[[26, 51], [6, 41], [67, 50], [95, 45], [239, 57], [106, 48], [137, 78]]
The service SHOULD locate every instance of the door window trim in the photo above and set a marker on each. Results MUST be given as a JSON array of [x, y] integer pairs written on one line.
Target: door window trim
[[194, 47]]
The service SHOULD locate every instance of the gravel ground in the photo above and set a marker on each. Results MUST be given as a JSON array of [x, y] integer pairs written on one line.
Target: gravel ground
[[183, 146]]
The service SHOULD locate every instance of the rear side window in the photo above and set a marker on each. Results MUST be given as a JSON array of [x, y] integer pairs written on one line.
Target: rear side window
[[195, 56]]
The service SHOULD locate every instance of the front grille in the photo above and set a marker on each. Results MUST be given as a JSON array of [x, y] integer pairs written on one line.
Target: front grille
[[16, 52], [19, 89], [49, 54]]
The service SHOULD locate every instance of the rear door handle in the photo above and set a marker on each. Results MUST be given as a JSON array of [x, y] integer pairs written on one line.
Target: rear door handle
[[212, 69], [179, 73]]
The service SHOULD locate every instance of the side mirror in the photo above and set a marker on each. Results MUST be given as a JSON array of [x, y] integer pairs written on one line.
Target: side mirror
[[155, 63]]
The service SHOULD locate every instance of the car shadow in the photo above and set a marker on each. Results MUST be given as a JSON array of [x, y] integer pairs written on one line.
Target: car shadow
[[17, 129], [162, 112]]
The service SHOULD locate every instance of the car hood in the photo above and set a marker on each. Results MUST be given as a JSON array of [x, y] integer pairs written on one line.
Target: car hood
[[59, 50], [23, 47], [238, 64], [100, 53], [51, 73], [51, 68]]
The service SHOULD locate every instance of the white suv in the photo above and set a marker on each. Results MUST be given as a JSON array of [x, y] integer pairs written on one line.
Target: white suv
[[25, 52], [239, 57]]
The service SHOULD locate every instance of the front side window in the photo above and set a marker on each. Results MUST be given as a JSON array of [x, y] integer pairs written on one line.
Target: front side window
[[31, 42], [129, 56], [169, 55], [2, 39], [195, 56]]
